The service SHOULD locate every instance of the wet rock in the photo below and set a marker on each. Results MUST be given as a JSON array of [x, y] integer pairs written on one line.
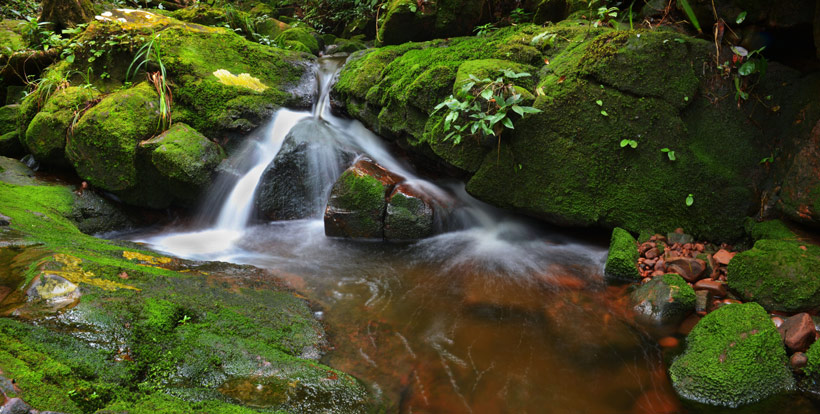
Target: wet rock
[[621, 262], [780, 275], [296, 183], [357, 203], [723, 257], [4, 220], [50, 293], [410, 214], [716, 287], [690, 269], [703, 298], [734, 356], [798, 361], [15, 406], [664, 300], [798, 332], [94, 214], [799, 195], [679, 237]]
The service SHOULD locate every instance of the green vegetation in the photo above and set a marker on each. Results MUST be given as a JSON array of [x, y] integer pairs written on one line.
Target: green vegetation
[[622, 260]]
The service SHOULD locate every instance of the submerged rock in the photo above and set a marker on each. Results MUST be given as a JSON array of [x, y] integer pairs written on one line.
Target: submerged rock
[[621, 262], [734, 356], [358, 201], [781, 275], [664, 300], [296, 183], [409, 214]]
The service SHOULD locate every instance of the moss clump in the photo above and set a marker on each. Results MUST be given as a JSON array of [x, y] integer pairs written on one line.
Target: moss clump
[[812, 369], [49, 130], [622, 260], [734, 356], [299, 35], [360, 199], [664, 300], [8, 118], [770, 229], [408, 217], [407, 21], [781, 275]]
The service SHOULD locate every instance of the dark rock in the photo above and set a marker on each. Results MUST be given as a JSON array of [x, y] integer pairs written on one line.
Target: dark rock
[[800, 192], [690, 269], [358, 201], [4, 220], [410, 214], [621, 262], [798, 361], [15, 406], [702, 300], [798, 332], [94, 214], [296, 183], [664, 300], [780, 275], [734, 356]]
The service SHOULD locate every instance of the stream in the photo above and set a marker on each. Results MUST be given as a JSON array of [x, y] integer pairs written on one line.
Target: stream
[[496, 314]]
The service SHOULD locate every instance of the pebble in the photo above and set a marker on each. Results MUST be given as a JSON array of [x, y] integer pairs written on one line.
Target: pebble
[[717, 288], [797, 332], [651, 253], [778, 321], [668, 342], [689, 269], [723, 257], [15, 406], [798, 361]]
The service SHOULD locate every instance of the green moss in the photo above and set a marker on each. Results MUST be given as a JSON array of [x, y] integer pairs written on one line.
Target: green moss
[[48, 131], [770, 229], [8, 118], [10, 145], [300, 35], [734, 356], [103, 146], [664, 300], [622, 260], [779, 274], [10, 39], [812, 369]]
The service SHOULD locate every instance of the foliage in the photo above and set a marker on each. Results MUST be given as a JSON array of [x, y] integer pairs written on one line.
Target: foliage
[[19, 9], [690, 199], [485, 111], [669, 153], [629, 142], [151, 53], [331, 16], [484, 29]]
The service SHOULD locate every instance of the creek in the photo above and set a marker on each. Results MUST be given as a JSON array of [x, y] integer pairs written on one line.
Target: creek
[[495, 314]]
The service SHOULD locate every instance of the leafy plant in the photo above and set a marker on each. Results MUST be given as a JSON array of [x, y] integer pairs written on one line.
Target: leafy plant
[[484, 29], [151, 53], [746, 65], [669, 153], [545, 38], [690, 199], [519, 15], [767, 160], [629, 142], [486, 109]]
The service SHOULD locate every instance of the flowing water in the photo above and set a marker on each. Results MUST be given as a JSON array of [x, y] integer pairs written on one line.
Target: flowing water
[[495, 315]]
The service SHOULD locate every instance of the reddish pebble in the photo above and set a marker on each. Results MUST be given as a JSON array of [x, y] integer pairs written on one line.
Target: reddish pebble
[[679, 230], [658, 273], [777, 321], [798, 361], [645, 280], [668, 342], [797, 332], [699, 247], [803, 247], [723, 257], [660, 265], [731, 301], [717, 288], [652, 253]]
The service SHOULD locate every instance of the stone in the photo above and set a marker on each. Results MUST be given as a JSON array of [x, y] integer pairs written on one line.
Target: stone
[[53, 292], [781, 275], [798, 332], [734, 356], [723, 256], [716, 287], [703, 298], [4, 220], [667, 299], [622, 259], [690, 269], [798, 361], [679, 237], [410, 214], [15, 406], [296, 183], [357, 203]]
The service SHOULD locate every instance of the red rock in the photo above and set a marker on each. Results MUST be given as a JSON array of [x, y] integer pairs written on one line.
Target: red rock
[[717, 288], [645, 247], [797, 332], [679, 230], [686, 326], [798, 361], [777, 321], [658, 273], [650, 262], [668, 342], [689, 269], [652, 253], [699, 247], [731, 301], [660, 265], [723, 257]]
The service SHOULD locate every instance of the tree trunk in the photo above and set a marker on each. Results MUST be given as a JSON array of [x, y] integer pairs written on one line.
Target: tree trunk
[[63, 14]]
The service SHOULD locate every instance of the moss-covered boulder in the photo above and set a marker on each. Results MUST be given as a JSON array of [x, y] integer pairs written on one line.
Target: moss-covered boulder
[[151, 333], [595, 87], [104, 143], [781, 275], [298, 38], [358, 200], [769, 229], [10, 145], [664, 300], [50, 129], [185, 161], [733, 356], [622, 260], [410, 214]]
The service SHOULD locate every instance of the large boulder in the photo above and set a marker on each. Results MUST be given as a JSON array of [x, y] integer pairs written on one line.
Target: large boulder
[[733, 356], [358, 201], [10, 145], [595, 87], [781, 275], [47, 133], [296, 183]]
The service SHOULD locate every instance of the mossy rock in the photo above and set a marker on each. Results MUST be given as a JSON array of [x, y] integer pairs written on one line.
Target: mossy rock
[[406, 20], [734, 356], [812, 369], [299, 35], [622, 260], [8, 118], [49, 130], [664, 300], [781, 275], [185, 161], [769, 229], [10, 40], [10, 145], [103, 146]]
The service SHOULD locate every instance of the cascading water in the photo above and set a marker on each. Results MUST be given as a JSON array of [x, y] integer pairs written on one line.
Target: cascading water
[[493, 316]]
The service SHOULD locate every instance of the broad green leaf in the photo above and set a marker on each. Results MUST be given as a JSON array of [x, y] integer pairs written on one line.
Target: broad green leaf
[[517, 109], [508, 123], [599, 102], [746, 69], [487, 94], [690, 199], [741, 17]]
